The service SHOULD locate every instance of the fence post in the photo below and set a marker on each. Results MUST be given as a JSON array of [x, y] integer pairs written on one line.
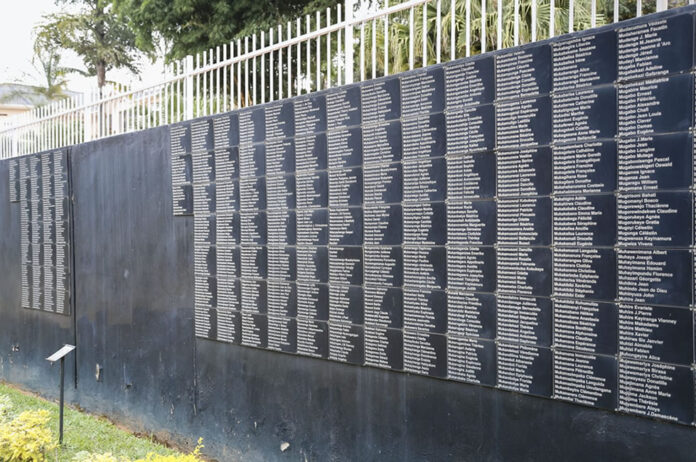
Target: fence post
[[15, 143], [349, 43], [661, 5], [87, 113], [188, 88]]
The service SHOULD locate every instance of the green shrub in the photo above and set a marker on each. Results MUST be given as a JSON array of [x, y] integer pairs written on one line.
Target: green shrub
[[85, 456], [193, 457], [26, 438], [151, 457]]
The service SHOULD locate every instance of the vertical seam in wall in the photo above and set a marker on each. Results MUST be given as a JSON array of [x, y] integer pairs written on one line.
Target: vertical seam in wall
[[71, 239]]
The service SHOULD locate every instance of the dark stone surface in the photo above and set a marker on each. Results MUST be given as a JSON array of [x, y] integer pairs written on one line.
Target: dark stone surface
[[134, 299], [133, 317]]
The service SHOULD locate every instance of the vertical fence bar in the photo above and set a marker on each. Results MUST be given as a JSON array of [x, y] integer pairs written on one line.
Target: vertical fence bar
[[534, 21], [348, 61], [362, 51], [552, 18], [616, 11], [51, 129], [198, 86], [411, 38], [232, 79], [217, 80], [386, 39], [139, 124], [374, 48], [298, 32], [134, 111], [571, 15], [467, 28], [211, 76], [100, 126], [453, 38], [143, 110], [39, 132], [172, 96], [271, 78], [254, 76], [499, 26], [262, 58], [131, 111], [37, 116], [15, 143], [239, 73], [340, 59], [253, 72], [593, 13], [224, 79], [289, 56], [66, 127], [128, 105], [516, 32], [149, 122], [66, 122], [143, 113], [59, 128], [204, 76], [483, 26], [318, 59], [639, 8], [246, 71], [179, 95], [328, 49], [308, 77], [438, 31], [166, 108], [424, 26]]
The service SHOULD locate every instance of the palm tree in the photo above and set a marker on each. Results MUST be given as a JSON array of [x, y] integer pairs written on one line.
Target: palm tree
[[46, 62]]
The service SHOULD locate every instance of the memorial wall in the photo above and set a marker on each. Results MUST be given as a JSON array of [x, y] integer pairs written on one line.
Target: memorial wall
[[39, 182], [520, 220]]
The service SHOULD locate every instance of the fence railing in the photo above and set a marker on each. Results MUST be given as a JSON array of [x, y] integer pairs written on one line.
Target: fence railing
[[350, 42]]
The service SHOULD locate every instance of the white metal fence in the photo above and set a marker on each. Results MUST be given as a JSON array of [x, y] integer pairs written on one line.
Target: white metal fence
[[351, 42]]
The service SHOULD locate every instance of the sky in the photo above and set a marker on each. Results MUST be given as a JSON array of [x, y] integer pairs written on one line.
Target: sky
[[16, 24]]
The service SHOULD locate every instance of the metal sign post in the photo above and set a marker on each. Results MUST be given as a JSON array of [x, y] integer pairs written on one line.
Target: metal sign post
[[60, 355]]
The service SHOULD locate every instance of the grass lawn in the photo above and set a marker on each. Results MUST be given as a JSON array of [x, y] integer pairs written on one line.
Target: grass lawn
[[84, 432]]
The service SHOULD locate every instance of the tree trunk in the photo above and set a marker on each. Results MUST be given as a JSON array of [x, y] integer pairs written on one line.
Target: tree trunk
[[101, 74]]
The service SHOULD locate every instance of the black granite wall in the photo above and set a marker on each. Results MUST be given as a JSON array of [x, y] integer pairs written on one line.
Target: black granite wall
[[132, 318]]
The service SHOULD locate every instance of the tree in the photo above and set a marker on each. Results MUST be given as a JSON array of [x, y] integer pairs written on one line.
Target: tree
[[50, 74], [191, 26], [96, 33], [47, 60]]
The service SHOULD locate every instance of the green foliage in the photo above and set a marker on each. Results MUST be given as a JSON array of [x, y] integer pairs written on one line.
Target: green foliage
[[26, 438], [5, 407], [94, 32], [399, 30], [191, 26], [150, 457], [85, 456], [84, 434]]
